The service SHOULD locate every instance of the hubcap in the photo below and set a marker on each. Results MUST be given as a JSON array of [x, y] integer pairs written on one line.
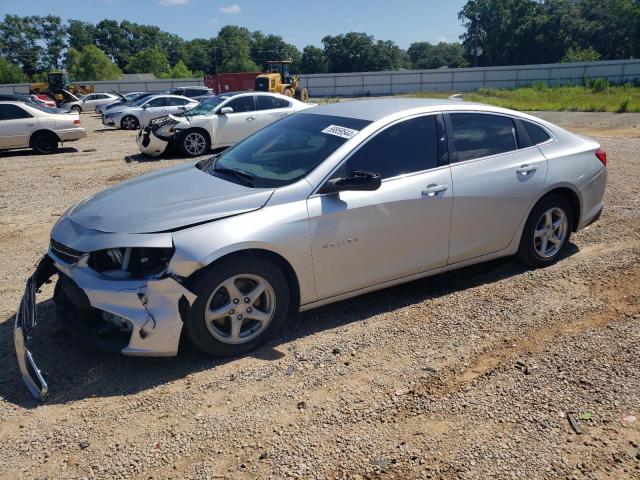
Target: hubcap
[[129, 123], [240, 308], [194, 144], [551, 232]]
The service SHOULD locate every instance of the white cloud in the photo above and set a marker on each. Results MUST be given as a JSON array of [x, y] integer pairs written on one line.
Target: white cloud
[[235, 8], [171, 3]]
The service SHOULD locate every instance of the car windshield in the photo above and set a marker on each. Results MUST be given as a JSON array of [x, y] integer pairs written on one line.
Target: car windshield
[[283, 152], [206, 106]]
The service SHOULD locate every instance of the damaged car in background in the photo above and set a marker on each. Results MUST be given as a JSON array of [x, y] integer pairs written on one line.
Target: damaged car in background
[[323, 205], [217, 122]]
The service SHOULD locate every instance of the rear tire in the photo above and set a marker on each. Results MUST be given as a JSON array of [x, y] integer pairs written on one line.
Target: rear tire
[[194, 143], [76, 108], [44, 143], [547, 231], [287, 92], [129, 122], [302, 94], [223, 322]]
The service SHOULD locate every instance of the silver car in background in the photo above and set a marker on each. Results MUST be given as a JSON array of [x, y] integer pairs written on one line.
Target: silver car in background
[[131, 116], [323, 205]]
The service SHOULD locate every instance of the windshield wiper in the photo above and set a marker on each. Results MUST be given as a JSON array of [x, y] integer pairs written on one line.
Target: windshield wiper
[[247, 177]]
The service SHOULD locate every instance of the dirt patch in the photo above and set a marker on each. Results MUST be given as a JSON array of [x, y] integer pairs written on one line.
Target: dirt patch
[[415, 381]]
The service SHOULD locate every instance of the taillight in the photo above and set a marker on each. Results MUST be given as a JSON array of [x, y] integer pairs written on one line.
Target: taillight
[[602, 156], [77, 122]]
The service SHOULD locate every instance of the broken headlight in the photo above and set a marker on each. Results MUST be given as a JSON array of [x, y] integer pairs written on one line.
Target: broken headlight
[[131, 263]]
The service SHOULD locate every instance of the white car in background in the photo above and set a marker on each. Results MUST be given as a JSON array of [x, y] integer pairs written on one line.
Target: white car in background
[[220, 121], [24, 125], [88, 102], [139, 113]]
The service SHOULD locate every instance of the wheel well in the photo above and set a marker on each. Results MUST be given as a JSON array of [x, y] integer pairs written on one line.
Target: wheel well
[[38, 132], [285, 266], [573, 200]]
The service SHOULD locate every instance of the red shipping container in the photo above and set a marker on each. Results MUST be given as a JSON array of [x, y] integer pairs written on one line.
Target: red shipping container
[[231, 82]]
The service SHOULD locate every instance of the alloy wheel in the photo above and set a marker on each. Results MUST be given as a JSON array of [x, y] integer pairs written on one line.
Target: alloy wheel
[[129, 123], [551, 232], [195, 144], [240, 308]]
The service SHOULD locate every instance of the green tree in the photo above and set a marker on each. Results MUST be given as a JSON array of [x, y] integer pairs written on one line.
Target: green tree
[[273, 47], [581, 55], [179, 70], [197, 54], [114, 41], [358, 52], [148, 60], [424, 55], [313, 60], [233, 49], [80, 33], [53, 34], [19, 42], [91, 64], [11, 73]]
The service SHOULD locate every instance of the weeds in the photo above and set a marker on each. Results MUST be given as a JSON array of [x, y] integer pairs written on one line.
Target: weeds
[[597, 96]]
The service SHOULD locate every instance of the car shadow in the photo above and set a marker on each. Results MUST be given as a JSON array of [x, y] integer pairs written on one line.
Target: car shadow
[[75, 372], [30, 152]]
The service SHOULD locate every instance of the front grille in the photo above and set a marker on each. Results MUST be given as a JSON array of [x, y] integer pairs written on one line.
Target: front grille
[[64, 253]]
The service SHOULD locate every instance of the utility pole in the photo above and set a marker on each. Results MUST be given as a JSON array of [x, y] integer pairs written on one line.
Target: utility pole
[[475, 41]]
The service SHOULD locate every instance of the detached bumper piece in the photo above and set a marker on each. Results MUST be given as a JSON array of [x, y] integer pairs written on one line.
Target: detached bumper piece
[[25, 321]]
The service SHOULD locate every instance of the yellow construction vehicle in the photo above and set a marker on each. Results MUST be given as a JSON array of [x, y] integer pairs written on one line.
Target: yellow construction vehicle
[[58, 86], [277, 79]]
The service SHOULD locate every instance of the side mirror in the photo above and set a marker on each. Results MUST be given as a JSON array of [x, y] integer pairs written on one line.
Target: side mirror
[[225, 110], [358, 181], [144, 107]]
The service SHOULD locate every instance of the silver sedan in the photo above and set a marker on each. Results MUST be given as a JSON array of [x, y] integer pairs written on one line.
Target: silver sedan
[[321, 206]]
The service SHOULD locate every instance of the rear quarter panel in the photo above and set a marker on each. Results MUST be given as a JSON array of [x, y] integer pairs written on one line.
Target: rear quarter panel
[[572, 163]]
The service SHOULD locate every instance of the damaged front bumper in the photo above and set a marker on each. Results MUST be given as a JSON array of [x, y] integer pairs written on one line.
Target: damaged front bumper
[[157, 136], [134, 317], [25, 320]]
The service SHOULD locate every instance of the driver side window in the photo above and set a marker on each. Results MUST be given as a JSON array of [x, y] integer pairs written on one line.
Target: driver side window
[[242, 104], [406, 147]]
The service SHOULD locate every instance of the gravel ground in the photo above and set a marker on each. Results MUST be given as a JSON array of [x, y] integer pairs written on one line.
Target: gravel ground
[[470, 374]]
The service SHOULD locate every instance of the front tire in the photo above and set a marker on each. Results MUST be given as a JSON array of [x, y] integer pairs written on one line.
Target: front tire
[[194, 143], [242, 303], [129, 122], [547, 232], [44, 143], [302, 94], [76, 108]]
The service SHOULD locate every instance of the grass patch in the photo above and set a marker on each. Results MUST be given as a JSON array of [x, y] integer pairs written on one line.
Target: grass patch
[[597, 97]]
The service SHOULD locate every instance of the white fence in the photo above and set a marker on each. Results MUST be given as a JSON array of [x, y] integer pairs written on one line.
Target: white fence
[[408, 81], [467, 79], [120, 86]]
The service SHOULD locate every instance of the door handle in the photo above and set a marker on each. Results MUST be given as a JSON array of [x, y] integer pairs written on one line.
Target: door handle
[[30, 124], [286, 114], [249, 119], [526, 169], [433, 189]]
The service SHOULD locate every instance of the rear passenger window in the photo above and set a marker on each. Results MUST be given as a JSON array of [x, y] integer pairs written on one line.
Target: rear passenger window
[[13, 112], [537, 134], [267, 102], [477, 135], [407, 147]]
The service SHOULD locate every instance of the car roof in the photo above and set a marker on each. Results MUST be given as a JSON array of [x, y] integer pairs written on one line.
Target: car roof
[[377, 109]]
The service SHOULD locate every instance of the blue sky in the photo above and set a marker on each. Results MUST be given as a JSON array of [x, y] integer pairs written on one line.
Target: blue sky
[[300, 22]]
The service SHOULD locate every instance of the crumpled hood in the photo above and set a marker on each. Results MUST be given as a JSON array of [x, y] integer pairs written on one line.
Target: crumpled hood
[[166, 200]]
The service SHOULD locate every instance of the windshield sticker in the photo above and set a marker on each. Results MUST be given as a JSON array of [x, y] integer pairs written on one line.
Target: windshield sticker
[[339, 131]]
